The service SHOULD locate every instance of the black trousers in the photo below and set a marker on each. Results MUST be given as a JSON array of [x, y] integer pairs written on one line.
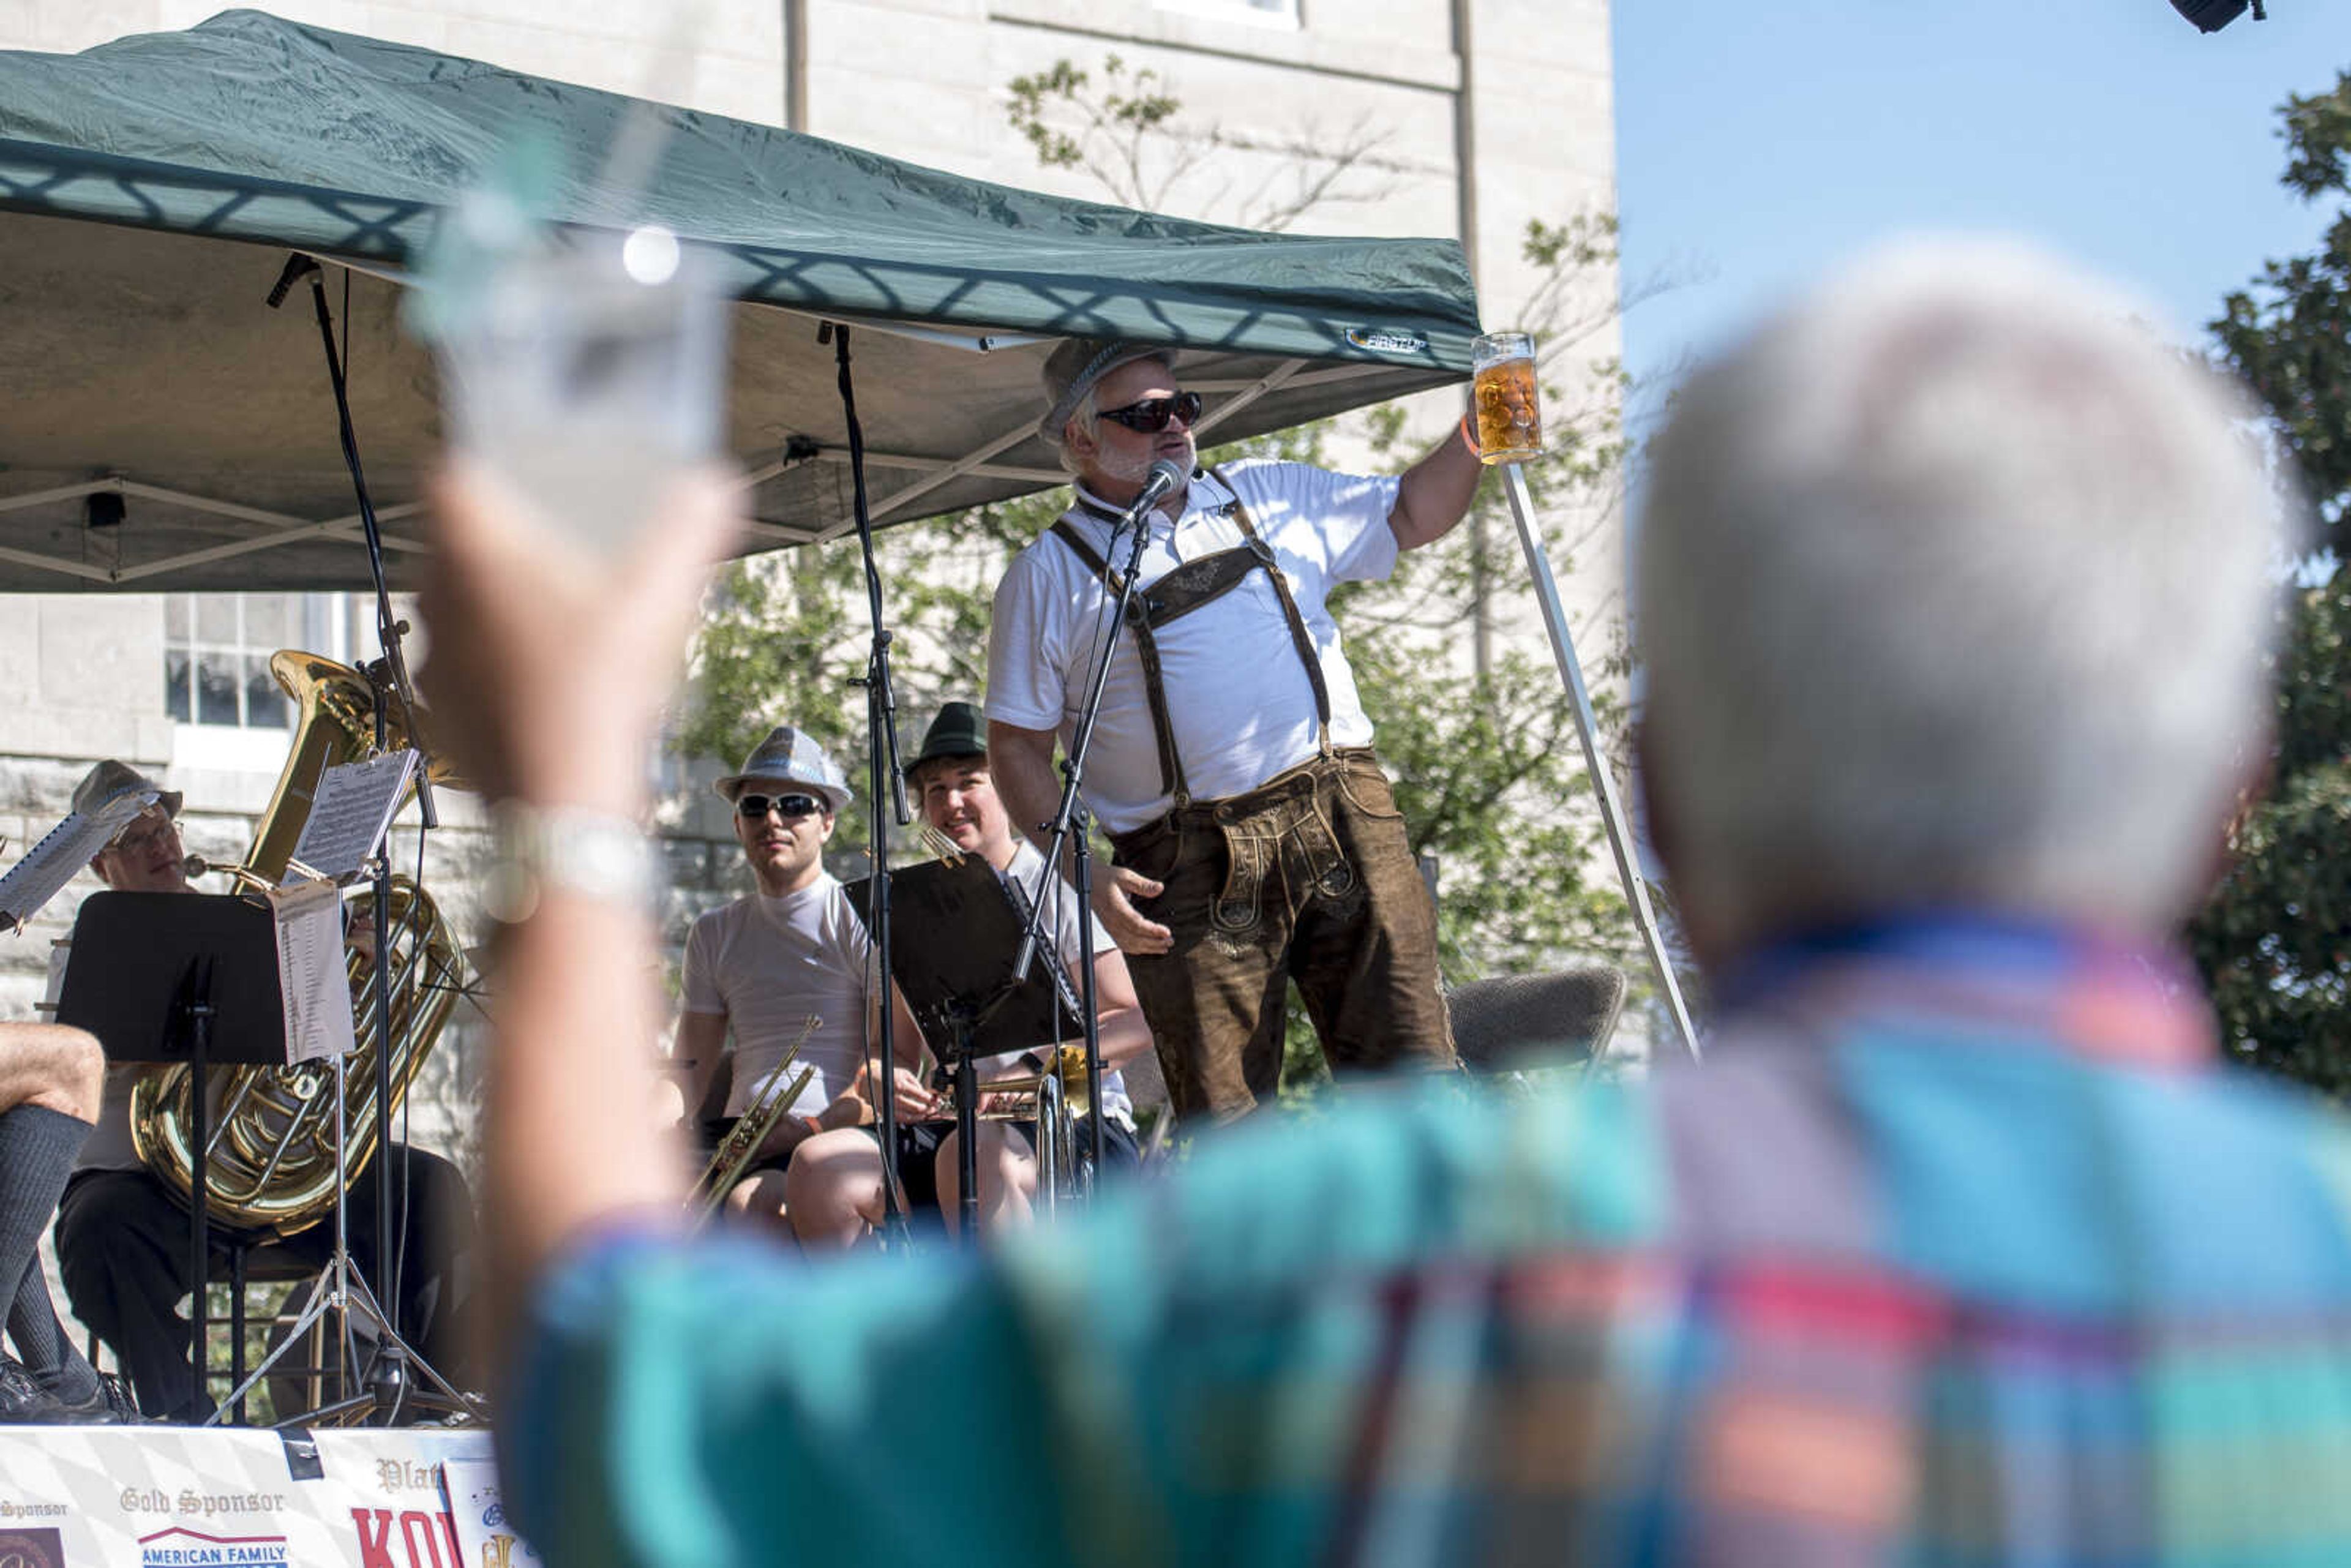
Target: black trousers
[[123, 1249]]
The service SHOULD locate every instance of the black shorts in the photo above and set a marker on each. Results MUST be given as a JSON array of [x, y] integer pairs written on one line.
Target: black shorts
[[918, 1159], [918, 1153]]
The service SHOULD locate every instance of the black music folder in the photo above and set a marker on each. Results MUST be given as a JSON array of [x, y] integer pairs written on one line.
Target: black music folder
[[143, 961], [955, 929]]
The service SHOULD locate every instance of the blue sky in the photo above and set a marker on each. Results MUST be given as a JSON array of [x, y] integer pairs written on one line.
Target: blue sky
[[1759, 141]]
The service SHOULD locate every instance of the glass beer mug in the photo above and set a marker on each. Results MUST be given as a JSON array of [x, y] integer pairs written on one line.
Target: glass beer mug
[[1509, 412]]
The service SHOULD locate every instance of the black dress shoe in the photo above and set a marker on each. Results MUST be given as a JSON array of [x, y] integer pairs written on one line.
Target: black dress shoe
[[21, 1400], [107, 1404], [24, 1403]]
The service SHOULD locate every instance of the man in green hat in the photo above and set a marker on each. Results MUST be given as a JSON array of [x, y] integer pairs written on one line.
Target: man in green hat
[[837, 1177]]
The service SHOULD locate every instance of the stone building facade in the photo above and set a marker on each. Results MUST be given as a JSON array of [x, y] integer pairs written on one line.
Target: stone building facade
[[1474, 117]]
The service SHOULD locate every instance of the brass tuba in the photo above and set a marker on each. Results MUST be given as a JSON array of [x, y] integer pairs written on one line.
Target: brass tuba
[[271, 1159]]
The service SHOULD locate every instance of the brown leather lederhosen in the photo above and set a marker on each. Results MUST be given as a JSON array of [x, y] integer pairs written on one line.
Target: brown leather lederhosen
[[1307, 875], [1190, 587]]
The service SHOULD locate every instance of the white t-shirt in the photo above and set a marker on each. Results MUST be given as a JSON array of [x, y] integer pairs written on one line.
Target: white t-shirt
[[767, 963], [1061, 931], [1238, 698]]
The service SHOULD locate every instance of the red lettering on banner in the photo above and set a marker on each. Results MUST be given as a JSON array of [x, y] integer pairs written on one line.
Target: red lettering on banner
[[409, 1522], [374, 1552], [375, 1538]]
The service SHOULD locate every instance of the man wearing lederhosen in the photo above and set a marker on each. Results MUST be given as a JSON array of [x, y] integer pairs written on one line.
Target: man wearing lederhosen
[[1256, 840]]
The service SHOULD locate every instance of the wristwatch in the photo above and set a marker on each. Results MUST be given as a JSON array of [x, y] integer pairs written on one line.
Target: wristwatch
[[564, 850]]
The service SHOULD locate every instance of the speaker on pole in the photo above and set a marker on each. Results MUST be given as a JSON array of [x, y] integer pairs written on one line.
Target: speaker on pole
[[2212, 16]]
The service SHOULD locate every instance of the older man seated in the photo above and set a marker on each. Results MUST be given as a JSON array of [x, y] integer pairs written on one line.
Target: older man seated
[[122, 1235]]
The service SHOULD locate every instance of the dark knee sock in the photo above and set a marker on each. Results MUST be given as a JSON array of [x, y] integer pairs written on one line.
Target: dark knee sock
[[41, 1341], [37, 1147]]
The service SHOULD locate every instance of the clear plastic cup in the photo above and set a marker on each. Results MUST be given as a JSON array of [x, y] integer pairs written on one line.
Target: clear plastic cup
[[1508, 406], [588, 373]]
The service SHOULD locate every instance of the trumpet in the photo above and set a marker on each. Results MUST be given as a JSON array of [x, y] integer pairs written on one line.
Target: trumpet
[[1015, 1099], [733, 1156]]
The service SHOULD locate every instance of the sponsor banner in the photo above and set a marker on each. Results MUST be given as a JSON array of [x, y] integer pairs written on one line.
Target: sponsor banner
[[161, 1497], [184, 1497], [394, 1507], [484, 1535]]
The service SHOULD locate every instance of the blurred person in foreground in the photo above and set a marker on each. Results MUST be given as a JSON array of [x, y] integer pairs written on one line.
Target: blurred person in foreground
[[1960, 1248]]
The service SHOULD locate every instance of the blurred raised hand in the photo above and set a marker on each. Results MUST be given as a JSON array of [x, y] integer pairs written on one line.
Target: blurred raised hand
[[548, 665]]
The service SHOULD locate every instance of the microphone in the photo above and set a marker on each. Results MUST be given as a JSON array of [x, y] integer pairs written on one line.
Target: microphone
[[1165, 474], [297, 266]]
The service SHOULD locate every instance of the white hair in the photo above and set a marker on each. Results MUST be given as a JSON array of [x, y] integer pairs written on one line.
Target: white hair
[[1954, 589], [1087, 416]]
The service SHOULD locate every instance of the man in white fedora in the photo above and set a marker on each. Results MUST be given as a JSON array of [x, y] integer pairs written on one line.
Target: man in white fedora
[[759, 968]]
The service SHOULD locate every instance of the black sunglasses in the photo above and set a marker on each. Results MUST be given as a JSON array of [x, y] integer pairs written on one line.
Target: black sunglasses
[[1153, 413], [785, 806]]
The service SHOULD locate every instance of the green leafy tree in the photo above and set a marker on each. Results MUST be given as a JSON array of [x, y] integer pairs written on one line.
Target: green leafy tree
[[2274, 941]]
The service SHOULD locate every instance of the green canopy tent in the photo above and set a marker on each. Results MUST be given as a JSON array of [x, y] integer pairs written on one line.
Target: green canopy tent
[[151, 188]]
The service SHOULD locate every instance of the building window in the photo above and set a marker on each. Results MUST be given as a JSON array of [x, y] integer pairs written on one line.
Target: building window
[[216, 648]]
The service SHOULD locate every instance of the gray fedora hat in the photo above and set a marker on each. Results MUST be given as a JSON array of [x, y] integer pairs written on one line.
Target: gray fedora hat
[[1073, 370], [111, 779], [790, 756]]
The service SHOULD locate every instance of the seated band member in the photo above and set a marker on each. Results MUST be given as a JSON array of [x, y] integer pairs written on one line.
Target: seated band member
[[49, 1085], [758, 967], [122, 1235], [836, 1190]]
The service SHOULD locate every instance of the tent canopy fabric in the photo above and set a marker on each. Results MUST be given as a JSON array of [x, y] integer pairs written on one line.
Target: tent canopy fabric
[[151, 190]]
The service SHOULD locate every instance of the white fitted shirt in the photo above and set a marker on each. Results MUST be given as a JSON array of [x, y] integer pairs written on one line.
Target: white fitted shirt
[[767, 963], [1238, 699]]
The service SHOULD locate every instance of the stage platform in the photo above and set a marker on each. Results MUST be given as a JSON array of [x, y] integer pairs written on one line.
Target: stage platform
[[184, 1497]]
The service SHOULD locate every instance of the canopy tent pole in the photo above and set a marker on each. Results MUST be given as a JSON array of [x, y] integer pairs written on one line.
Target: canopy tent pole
[[1587, 730]]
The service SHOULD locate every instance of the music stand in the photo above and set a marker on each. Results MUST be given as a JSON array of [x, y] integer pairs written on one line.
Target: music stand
[[954, 928], [180, 978]]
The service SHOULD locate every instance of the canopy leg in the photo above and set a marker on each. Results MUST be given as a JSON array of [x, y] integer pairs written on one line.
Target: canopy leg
[[1587, 729]]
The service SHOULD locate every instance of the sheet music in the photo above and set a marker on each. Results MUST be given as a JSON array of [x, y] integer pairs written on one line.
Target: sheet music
[[349, 814], [311, 976], [63, 850]]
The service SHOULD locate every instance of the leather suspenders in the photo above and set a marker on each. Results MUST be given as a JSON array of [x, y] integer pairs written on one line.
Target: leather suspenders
[[1176, 594]]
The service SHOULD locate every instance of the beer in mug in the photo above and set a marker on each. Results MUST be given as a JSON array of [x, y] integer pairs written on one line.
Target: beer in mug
[[1509, 414]]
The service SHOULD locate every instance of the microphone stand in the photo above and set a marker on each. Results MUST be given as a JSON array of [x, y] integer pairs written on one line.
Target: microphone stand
[[1069, 819], [387, 1379], [885, 782]]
